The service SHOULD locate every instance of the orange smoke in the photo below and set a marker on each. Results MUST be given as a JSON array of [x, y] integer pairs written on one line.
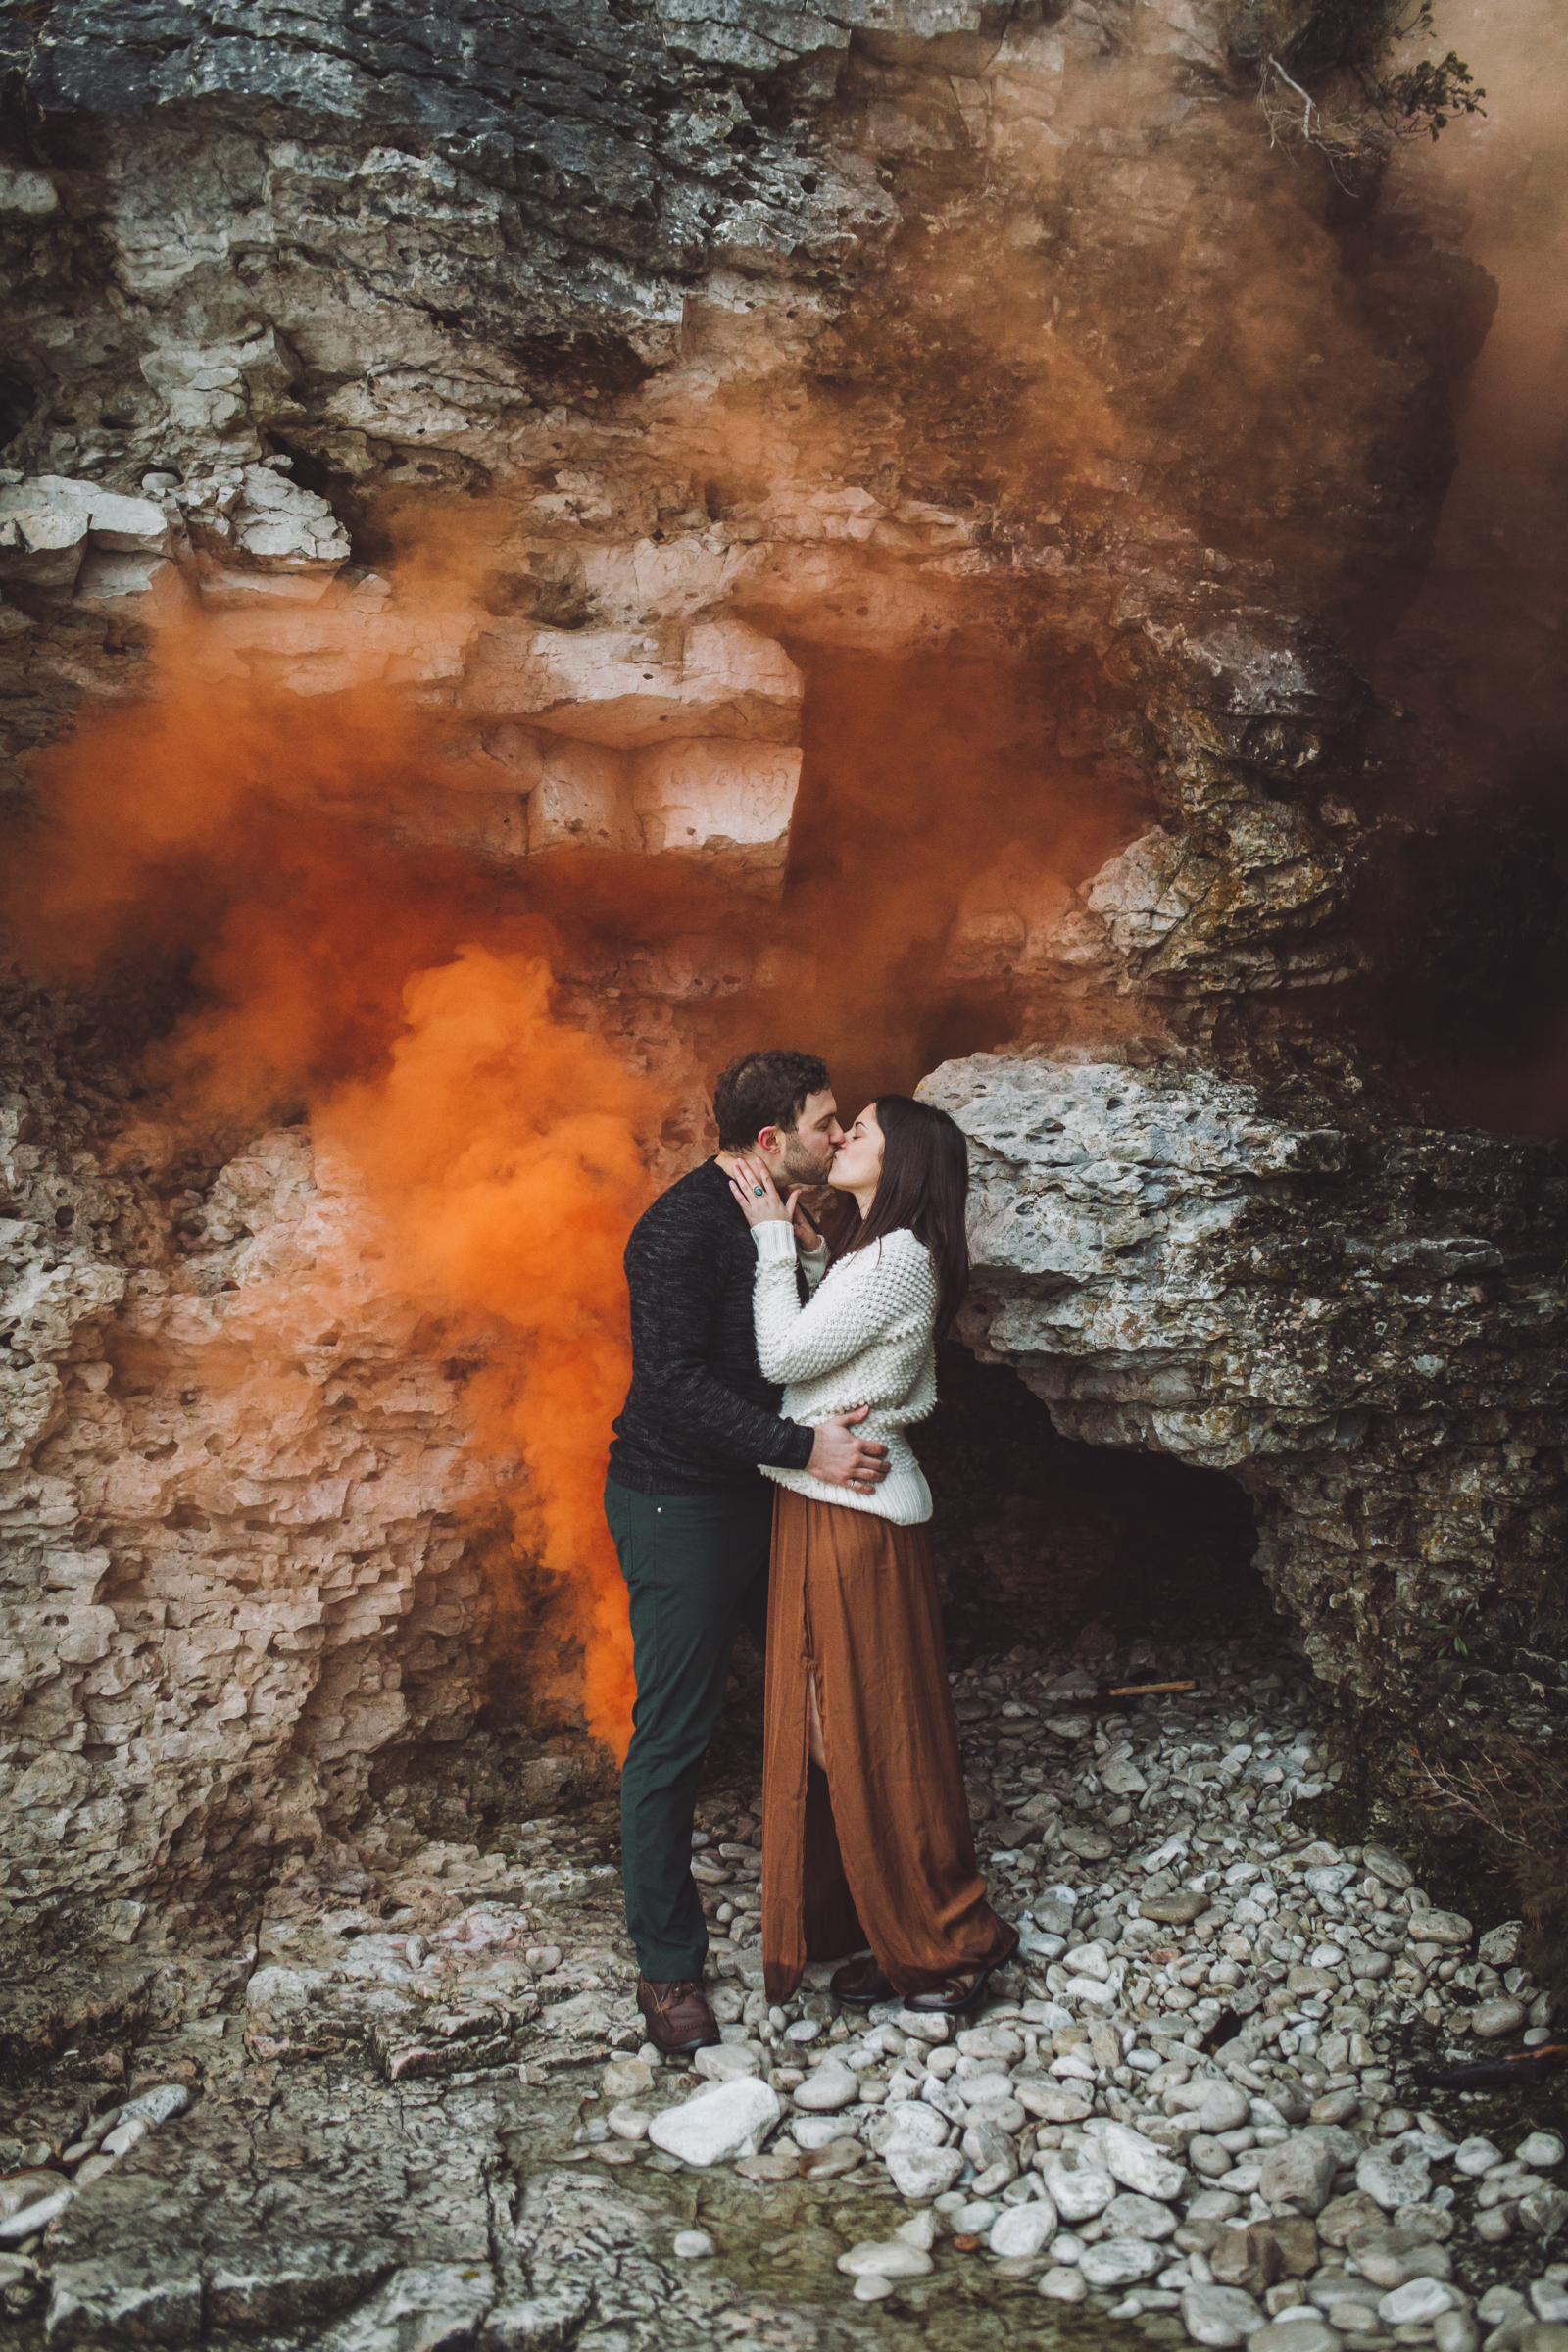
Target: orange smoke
[[501, 1148], [404, 1002]]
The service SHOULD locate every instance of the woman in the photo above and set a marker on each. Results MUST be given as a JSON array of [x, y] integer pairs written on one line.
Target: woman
[[865, 1832]]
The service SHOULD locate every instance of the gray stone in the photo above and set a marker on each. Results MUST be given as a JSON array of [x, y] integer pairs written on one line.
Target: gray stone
[[1390, 1868], [1130, 2216], [1177, 1910], [1544, 2212], [1392, 2184], [921, 2172], [1478, 2157], [27, 2219], [1541, 2150], [1446, 1928], [1299, 2172], [1220, 2315], [910, 2120], [715, 2127], [1120, 2262], [1457, 2331], [1062, 2284], [1053, 2102], [546, 2323], [1081, 2193], [1138, 2163], [827, 2091], [723, 2062], [885, 2258], [1416, 2303], [1490, 2019], [1023, 2230], [813, 2132], [1303, 2334], [1226, 2108]]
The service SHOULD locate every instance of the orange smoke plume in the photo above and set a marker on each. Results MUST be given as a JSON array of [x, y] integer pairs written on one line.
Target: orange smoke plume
[[232, 834], [501, 1148]]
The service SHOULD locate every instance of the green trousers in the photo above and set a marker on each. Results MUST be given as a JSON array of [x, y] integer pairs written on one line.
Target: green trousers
[[696, 1567]]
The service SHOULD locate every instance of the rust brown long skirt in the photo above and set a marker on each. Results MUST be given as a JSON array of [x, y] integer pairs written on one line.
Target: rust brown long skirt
[[883, 1852]]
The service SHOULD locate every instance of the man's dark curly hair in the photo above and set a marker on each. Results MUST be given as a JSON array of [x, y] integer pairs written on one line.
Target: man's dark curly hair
[[763, 1090]]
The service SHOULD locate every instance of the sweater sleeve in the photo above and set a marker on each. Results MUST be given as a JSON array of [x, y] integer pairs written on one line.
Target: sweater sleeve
[[674, 1287], [885, 1292]]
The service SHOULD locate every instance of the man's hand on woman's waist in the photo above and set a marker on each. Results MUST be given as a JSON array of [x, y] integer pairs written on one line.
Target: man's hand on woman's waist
[[842, 1458]]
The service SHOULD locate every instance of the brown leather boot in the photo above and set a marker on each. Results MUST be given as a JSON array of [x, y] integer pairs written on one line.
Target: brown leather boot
[[677, 2016]]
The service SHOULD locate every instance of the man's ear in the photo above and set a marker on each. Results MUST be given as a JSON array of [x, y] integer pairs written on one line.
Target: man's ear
[[767, 1142]]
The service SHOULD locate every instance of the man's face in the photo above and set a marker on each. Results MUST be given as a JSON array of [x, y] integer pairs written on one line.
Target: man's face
[[804, 1154]]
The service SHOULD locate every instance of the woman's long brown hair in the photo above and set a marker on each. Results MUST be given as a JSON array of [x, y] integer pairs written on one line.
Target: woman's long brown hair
[[924, 1185]]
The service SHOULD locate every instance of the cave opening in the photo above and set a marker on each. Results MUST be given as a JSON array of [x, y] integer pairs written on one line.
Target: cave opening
[[1044, 1541]]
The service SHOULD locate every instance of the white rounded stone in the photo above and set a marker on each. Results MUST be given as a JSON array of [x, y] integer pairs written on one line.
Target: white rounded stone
[[1138, 2163], [692, 2245], [1081, 2194], [1220, 2315], [1063, 2286], [827, 2091], [1391, 2184], [1120, 2262], [1024, 2230], [885, 2258], [1416, 2303], [919, 2173], [1133, 2215]]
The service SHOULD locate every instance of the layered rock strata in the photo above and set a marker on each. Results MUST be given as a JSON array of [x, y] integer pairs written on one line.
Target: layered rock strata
[[615, 398], [1361, 1321]]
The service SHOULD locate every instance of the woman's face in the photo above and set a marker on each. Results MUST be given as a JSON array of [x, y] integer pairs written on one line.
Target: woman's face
[[857, 1163]]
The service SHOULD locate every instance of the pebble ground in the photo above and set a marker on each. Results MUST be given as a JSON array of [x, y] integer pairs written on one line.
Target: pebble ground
[[404, 2103]]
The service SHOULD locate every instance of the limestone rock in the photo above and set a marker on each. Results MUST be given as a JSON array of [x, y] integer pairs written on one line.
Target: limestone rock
[[1120, 2262], [1299, 2172], [1024, 2229], [1220, 2315], [714, 2126], [1139, 2165]]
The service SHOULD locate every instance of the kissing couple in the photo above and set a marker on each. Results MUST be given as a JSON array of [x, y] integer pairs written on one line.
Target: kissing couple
[[761, 1474]]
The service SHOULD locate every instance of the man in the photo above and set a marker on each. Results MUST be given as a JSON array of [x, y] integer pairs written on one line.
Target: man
[[688, 1507]]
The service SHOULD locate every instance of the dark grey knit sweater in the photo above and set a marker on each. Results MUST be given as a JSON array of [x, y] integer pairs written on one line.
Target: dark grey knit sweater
[[699, 1417]]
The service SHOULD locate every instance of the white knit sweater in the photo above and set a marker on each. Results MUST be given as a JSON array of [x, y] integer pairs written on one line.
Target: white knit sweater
[[864, 1337]]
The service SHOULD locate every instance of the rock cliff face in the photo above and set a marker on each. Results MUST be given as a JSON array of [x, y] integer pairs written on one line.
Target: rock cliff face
[[1362, 1322], [914, 458]]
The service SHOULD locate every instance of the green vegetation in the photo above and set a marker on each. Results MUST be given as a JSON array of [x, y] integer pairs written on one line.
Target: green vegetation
[[1323, 76]]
